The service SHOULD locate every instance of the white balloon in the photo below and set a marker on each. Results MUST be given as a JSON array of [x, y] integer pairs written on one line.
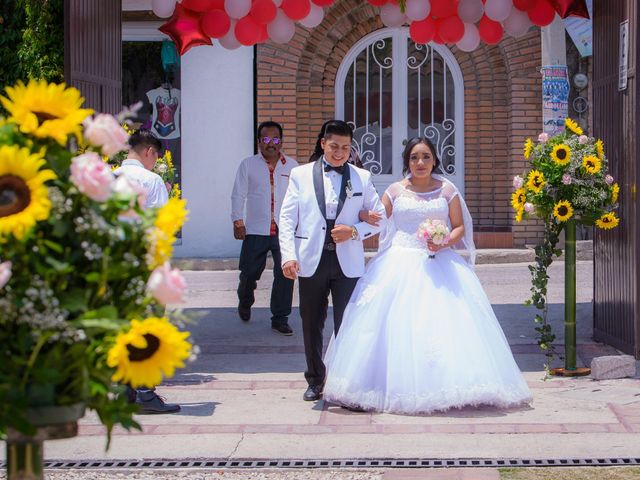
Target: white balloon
[[282, 28], [229, 41], [417, 9], [163, 8], [517, 24], [470, 11], [471, 38], [237, 8], [315, 17], [391, 15], [498, 10], [277, 2]]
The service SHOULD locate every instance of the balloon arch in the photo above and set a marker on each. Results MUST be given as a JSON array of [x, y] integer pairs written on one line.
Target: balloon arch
[[464, 23]]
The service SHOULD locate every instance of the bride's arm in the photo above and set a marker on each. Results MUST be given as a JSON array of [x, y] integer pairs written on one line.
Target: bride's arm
[[388, 206], [456, 219]]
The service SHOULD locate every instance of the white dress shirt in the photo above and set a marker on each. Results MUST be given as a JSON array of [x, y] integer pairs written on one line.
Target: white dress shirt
[[332, 184], [151, 183], [251, 196]]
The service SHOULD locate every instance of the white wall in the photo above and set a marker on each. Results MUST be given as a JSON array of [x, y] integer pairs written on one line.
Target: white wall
[[217, 133]]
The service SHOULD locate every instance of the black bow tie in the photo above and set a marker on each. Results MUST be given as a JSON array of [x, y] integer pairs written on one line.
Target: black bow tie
[[328, 168]]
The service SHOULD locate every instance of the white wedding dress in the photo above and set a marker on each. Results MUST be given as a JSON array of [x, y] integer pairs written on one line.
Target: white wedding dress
[[419, 334]]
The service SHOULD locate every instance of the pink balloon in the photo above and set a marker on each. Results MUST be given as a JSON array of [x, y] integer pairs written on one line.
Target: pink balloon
[[229, 41], [282, 29], [391, 15], [417, 10], [315, 17], [163, 8], [471, 38], [517, 24], [237, 8], [498, 10], [470, 11]]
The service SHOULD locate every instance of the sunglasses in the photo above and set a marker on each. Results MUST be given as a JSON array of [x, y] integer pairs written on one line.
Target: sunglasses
[[275, 140]]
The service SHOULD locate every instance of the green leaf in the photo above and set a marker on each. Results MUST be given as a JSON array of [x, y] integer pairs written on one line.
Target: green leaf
[[74, 300], [107, 312]]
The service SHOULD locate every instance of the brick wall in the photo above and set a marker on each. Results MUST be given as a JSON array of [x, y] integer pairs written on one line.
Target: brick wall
[[502, 107]]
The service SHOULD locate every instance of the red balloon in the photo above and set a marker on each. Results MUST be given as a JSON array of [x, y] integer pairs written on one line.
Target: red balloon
[[377, 3], [450, 29], [296, 9], [575, 8], [185, 30], [248, 31], [490, 31], [524, 5], [203, 5], [216, 23], [541, 14], [444, 8], [423, 31], [264, 34], [263, 11], [323, 3], [438, 39]]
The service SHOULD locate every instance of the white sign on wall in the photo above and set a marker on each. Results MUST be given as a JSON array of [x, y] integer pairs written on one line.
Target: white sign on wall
[[623, 64]]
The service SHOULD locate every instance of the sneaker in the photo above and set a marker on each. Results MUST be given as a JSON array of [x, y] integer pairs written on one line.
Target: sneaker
[[151, 403], [244, 313], [282, 329]]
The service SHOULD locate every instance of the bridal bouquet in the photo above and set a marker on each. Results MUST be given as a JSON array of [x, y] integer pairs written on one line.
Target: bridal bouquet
[[435, 230], [84, 272]]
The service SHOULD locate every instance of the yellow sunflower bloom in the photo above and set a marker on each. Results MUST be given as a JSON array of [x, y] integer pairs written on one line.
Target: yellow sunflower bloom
[[535, 181], [573, 126], [46, 110], [591, 164], [563, 211], [528, 148], [561, 154], [615, 191], [518, 198], [519, 215], [608, 221], [171, 216], [151, 349], [600, 149], [24, 198]]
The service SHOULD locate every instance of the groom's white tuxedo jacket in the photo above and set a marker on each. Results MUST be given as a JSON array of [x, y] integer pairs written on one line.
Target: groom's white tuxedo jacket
[[303, 225]]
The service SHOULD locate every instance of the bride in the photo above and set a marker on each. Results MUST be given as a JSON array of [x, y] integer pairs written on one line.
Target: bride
[[419, 334]]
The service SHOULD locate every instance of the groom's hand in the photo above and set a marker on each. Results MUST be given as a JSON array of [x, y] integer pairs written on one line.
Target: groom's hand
[[290, 269], [341, 233]]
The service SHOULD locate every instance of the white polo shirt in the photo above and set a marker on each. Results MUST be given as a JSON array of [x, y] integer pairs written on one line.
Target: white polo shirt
[[152, 183]]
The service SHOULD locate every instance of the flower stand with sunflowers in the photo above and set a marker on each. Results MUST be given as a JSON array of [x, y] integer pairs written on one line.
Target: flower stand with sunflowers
[[84, 276], [567, 184]]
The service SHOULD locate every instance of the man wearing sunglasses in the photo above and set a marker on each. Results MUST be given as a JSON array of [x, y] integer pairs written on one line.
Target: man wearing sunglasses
[[260, 185]]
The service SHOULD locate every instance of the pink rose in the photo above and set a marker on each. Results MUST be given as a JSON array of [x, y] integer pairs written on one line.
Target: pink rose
[[528, 207], [608, 179], [167, 285], [104, 131], [543, 137], [5, 273], [566, 179], [583, 139], [517, 182], [92, 176]]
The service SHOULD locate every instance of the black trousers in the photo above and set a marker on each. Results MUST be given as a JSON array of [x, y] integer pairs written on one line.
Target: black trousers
[[314, 301], [253, 259]]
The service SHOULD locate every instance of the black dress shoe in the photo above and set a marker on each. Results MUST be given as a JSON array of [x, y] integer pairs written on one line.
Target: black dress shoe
[[151, 403], [282, 329], [352, 408], [313, 393], [244, 313]]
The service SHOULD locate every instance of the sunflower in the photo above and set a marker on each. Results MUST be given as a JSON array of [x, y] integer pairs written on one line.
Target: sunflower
[[600, 149], [563, 211], [573, 126], [519, 215], [608, 221], [528, 148], [150, 349], [46, 110], [591, 164], [535, 180], [615, 190], [518, 198], [171, 216], [561, 154], [24, 197]]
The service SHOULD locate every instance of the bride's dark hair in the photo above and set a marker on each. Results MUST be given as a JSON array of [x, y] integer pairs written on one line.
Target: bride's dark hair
[[406, 154]]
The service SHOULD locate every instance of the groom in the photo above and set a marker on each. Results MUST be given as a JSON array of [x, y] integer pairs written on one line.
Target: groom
[[321, 239]]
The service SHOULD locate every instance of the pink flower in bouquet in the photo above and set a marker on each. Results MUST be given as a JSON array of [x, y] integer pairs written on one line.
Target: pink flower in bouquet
[[92, 176], [566, 179], [583, 139], [5, 273], [167, 285], [104, 131], [518, 181], [608, 179], [528, 207], [434, 230], [543, 137]]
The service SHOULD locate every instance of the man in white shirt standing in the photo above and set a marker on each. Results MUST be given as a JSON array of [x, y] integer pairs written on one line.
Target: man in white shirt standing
[[137, 168], [260, 185]]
